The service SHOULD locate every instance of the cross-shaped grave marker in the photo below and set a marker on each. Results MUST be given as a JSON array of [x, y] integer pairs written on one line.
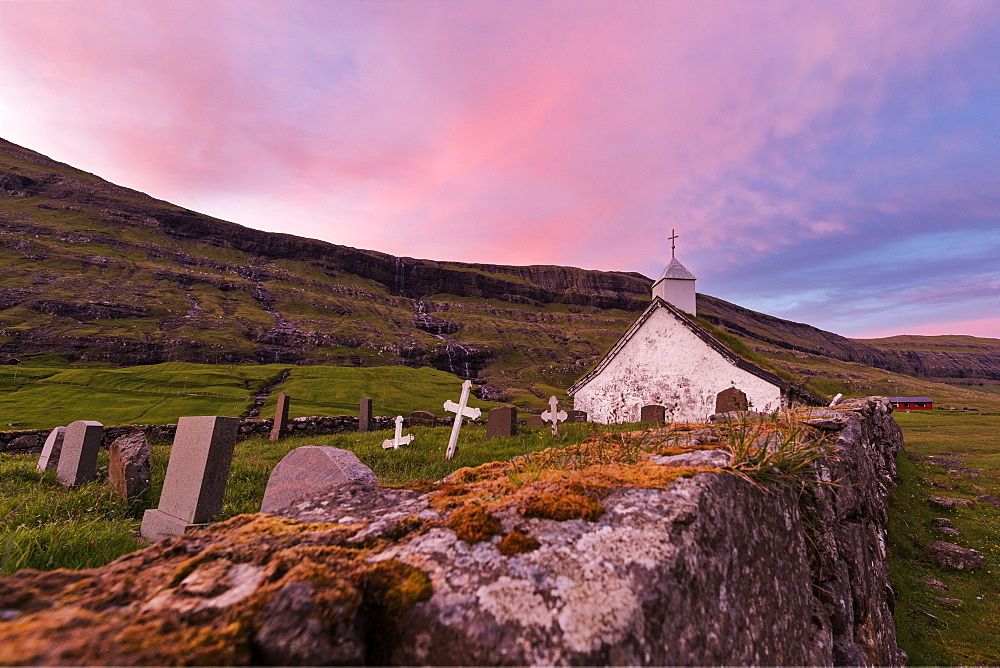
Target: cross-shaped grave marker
[[399, 439], [554, 415], [460, 410]]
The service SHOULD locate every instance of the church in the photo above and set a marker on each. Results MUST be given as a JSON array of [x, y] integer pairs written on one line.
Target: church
[[665, 358]]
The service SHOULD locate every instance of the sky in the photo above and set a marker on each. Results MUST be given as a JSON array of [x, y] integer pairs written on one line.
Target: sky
[[835, 163]]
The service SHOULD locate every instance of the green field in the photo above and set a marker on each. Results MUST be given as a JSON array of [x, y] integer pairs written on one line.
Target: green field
[[931, 632], [44, 397], [44, 526]]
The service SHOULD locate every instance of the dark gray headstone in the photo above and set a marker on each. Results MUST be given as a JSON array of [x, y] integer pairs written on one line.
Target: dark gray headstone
[[535, 421], [280, 427], [309, 470], [653, 414], [731, 399], [423, 419], [49, 458], [196, 476], [576, 416], [78, 459], [129, 465], [501, 422], [365, 415]]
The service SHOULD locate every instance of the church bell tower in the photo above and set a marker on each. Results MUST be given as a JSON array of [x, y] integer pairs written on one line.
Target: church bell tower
[[676, 284]]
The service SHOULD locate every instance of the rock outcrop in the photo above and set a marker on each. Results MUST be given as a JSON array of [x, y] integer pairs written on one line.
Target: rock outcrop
[[591, 555]]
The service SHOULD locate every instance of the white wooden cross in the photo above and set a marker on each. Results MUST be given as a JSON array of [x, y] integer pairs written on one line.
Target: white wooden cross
[[460, 410], [399, 439], [554, 415]]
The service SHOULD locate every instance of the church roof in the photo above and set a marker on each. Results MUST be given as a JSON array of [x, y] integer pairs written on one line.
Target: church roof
[[659, 303], [676, 270]]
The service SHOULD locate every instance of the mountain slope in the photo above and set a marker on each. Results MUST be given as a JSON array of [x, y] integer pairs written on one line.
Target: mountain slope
[[91, 272]]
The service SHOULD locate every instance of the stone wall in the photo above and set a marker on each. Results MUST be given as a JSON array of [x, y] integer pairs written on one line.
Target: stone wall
[[704, 568], [30, 441]]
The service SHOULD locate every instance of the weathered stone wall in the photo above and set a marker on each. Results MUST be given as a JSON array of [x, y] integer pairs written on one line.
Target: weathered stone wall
[[30, 441], [706, 569]]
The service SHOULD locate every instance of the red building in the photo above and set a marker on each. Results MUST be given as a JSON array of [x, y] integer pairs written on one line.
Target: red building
[[912, 403]]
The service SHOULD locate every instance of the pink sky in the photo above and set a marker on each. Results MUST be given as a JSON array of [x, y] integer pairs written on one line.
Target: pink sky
[[834, 163]]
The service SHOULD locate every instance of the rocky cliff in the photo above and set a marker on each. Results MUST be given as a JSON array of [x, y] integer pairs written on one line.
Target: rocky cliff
[[663, 547]]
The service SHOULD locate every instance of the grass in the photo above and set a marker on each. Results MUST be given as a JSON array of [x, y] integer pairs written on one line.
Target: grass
[[41, 397], [933, 633], [44, 526]]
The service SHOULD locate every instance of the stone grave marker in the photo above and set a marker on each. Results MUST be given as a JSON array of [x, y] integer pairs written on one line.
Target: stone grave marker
[[78, 459], [310, 470], [554, 415], [731, 399], [423, 419], [653, 414], [534, 421], [280, 427], [129, 465], [365, 415], [576, 417], [399, 439], [196, 476], [49, 458], [501, 422], [461, 410]]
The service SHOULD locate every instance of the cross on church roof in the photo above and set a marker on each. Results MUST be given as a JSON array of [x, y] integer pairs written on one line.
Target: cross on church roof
[[673, 235]]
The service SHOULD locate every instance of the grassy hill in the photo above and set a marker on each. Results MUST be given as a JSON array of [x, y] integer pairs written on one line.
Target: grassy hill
[[44, 397]]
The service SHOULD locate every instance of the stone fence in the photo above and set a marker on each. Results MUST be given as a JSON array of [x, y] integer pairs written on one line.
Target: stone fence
[[30, 441]]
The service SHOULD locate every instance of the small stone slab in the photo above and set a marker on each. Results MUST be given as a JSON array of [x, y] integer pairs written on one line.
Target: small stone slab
[[934, 582], [501, 422], [78, 459], [992, 500], [948, 531], [365, 414], [653, 414], [576, 417], [280, 427], [196, 478], [129, 465], [731, 399], [954, 557], [939, 522], [310, 470], [423, 419], [950, 602], [534, 421], [946, 503], [49, 459], [718, 458]]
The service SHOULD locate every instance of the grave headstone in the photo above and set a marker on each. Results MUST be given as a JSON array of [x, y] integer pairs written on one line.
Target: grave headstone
[[398, 439], [196, 476], [309, 470], [653, 414], [423, 419], [128, 465], [576, 416], [280, 427], [534, 421], [78, 459], [461, 410], [365, 415], [49, 458], [554, 416], [731, 399], [501, 422]]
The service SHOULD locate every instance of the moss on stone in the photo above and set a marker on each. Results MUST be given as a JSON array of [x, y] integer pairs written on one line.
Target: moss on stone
[[473, 523], [517, 542]]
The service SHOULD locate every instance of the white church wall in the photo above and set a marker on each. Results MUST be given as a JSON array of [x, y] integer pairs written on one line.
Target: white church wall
[[665, 363]]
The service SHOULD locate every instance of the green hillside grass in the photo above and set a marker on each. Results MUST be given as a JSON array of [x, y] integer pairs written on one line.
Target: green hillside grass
[[41, 398], [933, 633]]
